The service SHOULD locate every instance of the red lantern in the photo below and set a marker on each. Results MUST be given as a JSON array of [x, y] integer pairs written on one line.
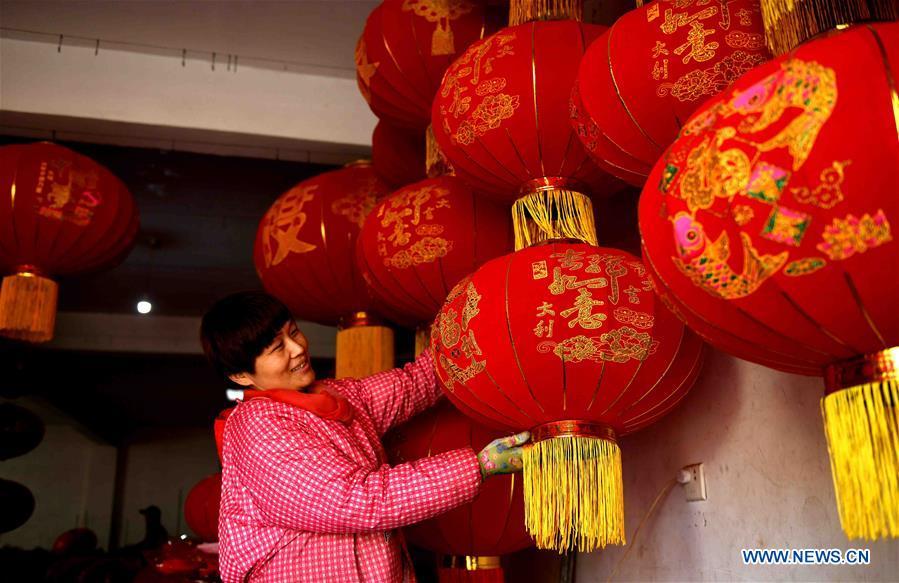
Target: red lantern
[[567, 340], [768, 225], [398, 154], [310, 264], [201, 508], [476, 533], [63, 214], [404, 50], [421, 240], [639, 81], [501, 119]]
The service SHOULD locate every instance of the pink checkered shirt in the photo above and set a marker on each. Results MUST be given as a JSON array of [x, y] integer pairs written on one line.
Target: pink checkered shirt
[[306, 499]]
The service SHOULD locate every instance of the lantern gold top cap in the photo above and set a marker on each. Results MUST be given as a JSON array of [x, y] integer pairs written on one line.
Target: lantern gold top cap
[[869, 368]]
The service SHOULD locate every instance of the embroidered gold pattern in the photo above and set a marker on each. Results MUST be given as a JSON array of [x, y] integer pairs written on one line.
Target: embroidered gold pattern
[[407, 213], [702, 83], [365, 69], [742, 214], [640, 320], [829, 192], [356, 205], [620, 345], [745, 40], [846, 237], [72, 195], [441, 12], [804, 266]]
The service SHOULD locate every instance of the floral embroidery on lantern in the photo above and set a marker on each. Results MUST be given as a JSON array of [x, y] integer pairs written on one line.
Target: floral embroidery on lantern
[[745, 40], [742, 214], [846, 237], [441, 12], [829, 192], [425, 250], [804, 266], [619, 345], [283, 223], [418, 206], [356, 206], [701, 83], [767, 182], [640, 320]]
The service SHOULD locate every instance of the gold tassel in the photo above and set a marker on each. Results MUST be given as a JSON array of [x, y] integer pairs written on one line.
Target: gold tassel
[[364, 348], [521, 11], [862, 427], [789, 23], [422, 339], [442, 40], [436, 163], [573, 493], [28, 307], [553, 213]]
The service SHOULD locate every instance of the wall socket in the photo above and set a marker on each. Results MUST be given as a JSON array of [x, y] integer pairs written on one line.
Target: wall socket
[[694, 488]]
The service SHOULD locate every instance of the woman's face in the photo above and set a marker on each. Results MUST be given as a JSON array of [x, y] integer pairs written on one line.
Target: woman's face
[[283, 364]]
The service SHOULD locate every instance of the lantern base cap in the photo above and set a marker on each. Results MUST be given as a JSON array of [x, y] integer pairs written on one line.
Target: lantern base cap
[[28, 307]]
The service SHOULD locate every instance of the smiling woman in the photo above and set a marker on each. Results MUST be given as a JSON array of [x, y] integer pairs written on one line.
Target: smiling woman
[[284, 364]]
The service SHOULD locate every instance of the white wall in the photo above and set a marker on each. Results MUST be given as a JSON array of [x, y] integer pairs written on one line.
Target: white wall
[[759, 434], [162, 466], [71, 476]]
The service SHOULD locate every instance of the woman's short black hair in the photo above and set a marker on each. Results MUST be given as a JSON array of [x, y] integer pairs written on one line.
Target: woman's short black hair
[[237, 328]]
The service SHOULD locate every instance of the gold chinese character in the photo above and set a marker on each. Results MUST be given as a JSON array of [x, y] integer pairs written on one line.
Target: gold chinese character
[[544, 328], [283, 226], [659, 50], [545, 309], [674, 21], [632, 295], [563, 282], [571, 259], [699, 50], [660, 70], [652, 13], [583, 305], [538, 269]]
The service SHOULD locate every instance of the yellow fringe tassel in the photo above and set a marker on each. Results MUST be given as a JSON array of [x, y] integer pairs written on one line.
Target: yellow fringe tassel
[[521, 11], [573, 493], [553, 214], [422, 339], [862, 426], [788, 23], [436, 163], [28, 307]]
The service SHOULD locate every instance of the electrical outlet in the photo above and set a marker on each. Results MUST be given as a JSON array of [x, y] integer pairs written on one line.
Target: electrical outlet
[[694, 488]]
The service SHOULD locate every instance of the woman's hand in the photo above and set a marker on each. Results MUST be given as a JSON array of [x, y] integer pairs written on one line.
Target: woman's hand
[[503, 455]]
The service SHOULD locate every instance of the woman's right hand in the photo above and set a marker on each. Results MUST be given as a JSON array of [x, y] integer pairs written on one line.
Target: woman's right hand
[[503, 455]]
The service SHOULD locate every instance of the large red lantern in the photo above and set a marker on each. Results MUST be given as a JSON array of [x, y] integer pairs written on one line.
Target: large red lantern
[[569, 341], [501, 119], [201, 507], [769, 225], [642, 79], [421, 240], [473, 535], [398, 154], [404, 50], [305, 256], [62, 214]]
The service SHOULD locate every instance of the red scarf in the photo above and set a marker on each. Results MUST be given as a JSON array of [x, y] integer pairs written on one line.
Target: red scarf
[[317, 401]]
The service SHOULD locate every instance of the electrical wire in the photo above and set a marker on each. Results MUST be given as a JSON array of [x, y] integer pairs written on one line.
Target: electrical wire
[[633, 542]]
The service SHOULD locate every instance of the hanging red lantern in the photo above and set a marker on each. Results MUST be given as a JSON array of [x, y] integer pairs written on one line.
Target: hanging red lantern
[[398, 154], [310, 264], [201, 507], [63, 214], [642, 79], [20, 431], [404, 50], [476, 534], [501, 119], [421, 240], [566, 340], [768, 227]]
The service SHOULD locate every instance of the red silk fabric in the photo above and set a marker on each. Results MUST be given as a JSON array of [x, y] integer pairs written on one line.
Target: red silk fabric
[[398, 154], [643, 78], [563, 331], [768, 223], [501, 115], [405, 48], [306, 244], [492, 524], [62, 213], [421, 240]]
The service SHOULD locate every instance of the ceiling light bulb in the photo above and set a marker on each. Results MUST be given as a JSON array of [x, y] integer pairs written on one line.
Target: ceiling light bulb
[[144, 307]]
